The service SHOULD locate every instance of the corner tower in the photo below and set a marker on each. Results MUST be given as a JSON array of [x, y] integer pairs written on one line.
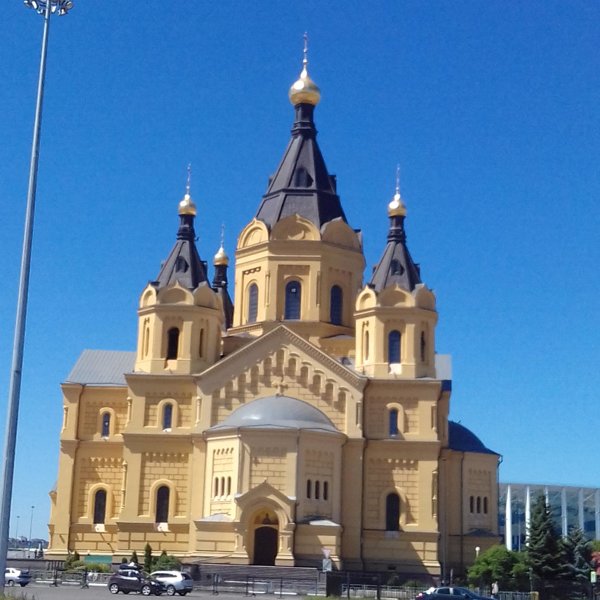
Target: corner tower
[[298, 260], [179, 316], [395, 312]]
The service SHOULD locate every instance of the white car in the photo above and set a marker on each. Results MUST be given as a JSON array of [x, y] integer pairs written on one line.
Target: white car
[[175, 582], [17, 576]]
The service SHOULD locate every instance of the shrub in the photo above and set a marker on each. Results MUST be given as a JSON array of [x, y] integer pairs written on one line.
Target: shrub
[[166, 562]]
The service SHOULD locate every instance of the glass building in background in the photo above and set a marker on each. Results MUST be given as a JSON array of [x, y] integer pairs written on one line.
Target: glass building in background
[[571, 507]]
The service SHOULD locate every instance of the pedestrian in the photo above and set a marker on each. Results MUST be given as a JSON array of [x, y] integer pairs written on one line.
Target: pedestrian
[[495, 589]]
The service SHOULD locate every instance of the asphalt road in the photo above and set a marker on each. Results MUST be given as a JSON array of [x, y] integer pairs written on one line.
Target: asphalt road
[[43, 591]]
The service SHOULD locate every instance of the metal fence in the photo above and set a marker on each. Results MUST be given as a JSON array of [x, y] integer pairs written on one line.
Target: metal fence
[[298, 583], [382, 591]]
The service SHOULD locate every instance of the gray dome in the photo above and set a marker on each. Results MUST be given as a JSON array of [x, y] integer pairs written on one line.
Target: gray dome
[[277, 412]]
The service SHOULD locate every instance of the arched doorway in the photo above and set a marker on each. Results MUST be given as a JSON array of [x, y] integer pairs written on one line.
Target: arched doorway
[[265, 545], [266, 537]]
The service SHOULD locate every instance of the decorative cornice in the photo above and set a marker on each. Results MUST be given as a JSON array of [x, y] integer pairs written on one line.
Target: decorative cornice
[[253, 348]]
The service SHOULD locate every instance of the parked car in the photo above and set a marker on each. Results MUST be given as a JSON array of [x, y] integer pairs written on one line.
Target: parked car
[[441, 593], [17, 576], [133, 580], [174, 582]]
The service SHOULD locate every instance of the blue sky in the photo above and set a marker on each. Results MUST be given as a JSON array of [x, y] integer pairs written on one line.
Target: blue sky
[[490, 108]]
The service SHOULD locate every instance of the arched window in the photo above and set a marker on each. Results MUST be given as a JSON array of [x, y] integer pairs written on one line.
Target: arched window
[[229, 486], [325, 490], [162, 504], [396, 267], [222, 486], [394, 347], [252, 303], [99, 507], [172, 343], [201, 344], [317, 489], [167, 420], [471, 504], [366, 345], [146, 341], [105, 424], [308, 488], [293, 294], [216, 490], [392, 512], [485, 505], [478, 504], [393, 422], [423, 347], [335, 305]]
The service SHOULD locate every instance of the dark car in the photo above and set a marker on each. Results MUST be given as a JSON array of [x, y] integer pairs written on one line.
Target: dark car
[[440, 593], [133, 580]]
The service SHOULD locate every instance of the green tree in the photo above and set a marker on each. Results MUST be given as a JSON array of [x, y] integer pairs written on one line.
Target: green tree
[[577, 561], [166, 562], [544, 554], [73, 561], [148, 558], [497, 563]]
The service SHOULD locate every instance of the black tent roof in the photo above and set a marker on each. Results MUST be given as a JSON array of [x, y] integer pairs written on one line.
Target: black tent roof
[[301, 185]]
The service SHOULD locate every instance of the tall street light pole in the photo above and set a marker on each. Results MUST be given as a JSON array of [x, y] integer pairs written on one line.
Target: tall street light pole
[[31, 526], [45, 8]]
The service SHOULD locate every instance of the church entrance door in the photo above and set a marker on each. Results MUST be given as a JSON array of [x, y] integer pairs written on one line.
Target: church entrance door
[[265, 546]]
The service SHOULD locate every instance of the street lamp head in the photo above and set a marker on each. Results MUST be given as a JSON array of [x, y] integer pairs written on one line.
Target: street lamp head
[[60, 7]]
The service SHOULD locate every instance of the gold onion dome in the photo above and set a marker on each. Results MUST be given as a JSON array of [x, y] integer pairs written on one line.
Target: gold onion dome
[[304, 90], [187, 206], [221, 257], [396, 207]]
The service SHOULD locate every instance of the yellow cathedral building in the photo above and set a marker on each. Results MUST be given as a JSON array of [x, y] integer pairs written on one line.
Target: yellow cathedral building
[[306, 418]]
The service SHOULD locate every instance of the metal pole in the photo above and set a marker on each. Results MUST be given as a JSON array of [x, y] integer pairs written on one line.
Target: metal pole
[[31, 525], [10, 440]]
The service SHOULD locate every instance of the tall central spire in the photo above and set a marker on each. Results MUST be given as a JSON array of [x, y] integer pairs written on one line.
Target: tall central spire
[[302, 185]]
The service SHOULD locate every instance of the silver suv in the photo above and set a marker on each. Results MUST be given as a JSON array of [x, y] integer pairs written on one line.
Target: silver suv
[[174, 582]]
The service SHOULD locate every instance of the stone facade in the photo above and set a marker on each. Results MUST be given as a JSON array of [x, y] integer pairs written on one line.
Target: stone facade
[[317, 421]]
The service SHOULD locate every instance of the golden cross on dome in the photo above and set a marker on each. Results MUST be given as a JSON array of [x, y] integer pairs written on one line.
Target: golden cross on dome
[[222, 234], [189, 179], [305, 59], [398, 178]]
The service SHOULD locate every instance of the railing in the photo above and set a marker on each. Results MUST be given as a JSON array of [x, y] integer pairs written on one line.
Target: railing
[[291, 582], [59, 577], [382, 591], [216, 583]]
